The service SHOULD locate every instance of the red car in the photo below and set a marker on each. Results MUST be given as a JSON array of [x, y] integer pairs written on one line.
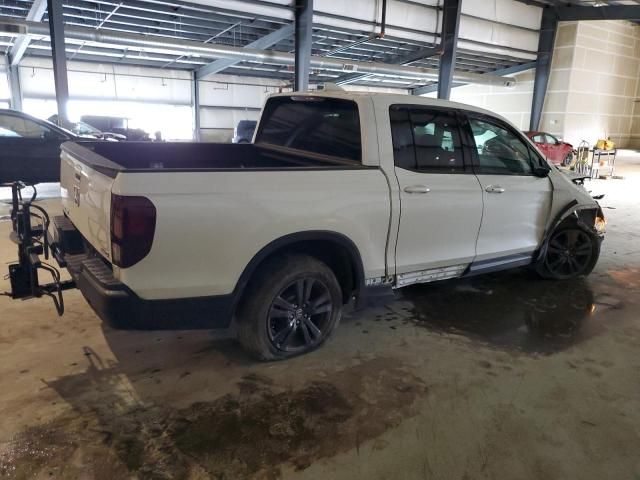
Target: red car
[[560, 153]]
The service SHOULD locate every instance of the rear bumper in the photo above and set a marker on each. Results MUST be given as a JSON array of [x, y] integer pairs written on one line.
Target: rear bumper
[[121, 308]]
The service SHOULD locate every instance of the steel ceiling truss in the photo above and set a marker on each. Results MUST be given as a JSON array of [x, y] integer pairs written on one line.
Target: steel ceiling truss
[[183, 20]]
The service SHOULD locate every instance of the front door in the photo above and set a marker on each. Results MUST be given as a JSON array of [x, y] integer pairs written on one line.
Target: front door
[[516, 202], [440, 198]]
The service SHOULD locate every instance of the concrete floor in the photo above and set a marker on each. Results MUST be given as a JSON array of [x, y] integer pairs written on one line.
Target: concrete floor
[[504, 376]]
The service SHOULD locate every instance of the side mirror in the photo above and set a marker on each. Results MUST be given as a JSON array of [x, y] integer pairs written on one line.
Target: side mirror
[[541, 172]]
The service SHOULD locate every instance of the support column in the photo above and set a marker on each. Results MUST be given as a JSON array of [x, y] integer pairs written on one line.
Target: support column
[[13, 76], [195, 105], [303, 24], [450, 26], [548, 28], [58, 54]]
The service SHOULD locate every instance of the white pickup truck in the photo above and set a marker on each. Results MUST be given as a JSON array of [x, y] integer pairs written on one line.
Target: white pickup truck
[[340, 197]]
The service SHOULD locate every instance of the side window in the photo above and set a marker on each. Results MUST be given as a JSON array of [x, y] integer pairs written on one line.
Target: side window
[[13, 126], [551, 140], [539, 138], [499, 150], [426, 140], [437, 141]]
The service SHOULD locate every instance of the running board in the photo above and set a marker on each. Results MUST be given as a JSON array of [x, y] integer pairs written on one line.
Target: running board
[[501, 263], [431, 275]]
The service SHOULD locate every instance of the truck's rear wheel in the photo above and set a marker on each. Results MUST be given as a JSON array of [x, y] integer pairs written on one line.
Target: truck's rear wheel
[[290, 308]]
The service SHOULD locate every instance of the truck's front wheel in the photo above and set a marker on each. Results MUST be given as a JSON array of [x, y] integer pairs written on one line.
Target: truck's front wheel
[[290, 307], [571, 252]]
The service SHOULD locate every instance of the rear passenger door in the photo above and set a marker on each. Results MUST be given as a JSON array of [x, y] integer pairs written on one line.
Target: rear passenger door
[[516, 202], [440, 198]]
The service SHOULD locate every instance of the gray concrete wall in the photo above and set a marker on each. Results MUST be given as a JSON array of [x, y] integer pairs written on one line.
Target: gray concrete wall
[[594, 83], [593, 89]]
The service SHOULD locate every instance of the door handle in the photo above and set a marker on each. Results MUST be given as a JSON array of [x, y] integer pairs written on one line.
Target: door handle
[[416, 189], [494, 189]]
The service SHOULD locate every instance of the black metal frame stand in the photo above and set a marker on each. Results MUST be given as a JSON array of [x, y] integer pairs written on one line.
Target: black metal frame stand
[[33, 241]]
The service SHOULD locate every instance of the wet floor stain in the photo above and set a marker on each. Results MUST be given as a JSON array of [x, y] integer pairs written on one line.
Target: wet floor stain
[[41, 447], [626, 277], [250, 434], [510, 310]]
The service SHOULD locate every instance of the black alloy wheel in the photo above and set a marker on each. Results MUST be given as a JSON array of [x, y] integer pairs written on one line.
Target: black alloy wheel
[[570, 253], [291, 306], [300, 316]]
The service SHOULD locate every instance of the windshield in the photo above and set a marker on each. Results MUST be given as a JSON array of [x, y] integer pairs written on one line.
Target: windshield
[[82, 128]]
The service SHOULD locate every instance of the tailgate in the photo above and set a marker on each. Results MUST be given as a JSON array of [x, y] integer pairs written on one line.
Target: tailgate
[[86, 197]]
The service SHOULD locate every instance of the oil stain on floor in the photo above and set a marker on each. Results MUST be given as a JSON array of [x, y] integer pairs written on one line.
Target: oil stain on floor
[[251, 434]]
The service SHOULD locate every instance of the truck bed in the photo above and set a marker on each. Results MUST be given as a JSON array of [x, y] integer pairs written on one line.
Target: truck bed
[[110, 158]]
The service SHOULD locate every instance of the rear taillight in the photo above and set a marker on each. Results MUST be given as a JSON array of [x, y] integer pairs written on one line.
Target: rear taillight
[[133, 225]]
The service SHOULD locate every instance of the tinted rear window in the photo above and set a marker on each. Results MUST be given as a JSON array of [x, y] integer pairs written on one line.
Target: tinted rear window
[[326, 126]]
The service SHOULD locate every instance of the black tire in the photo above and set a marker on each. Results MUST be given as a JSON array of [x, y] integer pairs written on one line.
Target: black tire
[[571, 252], [290, 307]]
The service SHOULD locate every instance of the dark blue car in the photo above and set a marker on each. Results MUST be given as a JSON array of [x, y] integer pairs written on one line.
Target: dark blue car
[[30, 148]]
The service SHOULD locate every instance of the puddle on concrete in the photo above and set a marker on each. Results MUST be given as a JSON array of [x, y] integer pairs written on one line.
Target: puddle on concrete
[[510, 310], [251, 434]]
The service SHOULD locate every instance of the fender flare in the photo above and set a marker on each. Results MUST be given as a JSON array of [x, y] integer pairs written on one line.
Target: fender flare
[[570, 209], [298, 237]]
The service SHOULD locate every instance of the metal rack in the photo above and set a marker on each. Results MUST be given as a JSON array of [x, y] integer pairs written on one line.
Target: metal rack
[[588, 161], [610, 159]]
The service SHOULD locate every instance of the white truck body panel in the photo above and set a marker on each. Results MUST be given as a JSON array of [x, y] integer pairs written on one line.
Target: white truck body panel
[[209, 225], [86, 200], [205, 237], [440, 227], [513, 221]]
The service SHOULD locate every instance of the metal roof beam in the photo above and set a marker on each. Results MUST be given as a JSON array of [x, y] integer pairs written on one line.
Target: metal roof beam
[[151, 22], [610, 12], [503, 71], [154, 43], [58, 55], [36, 14], [303, 24], [416, 56], [449, 39], [15, 90], [548, 28], [261, 44]]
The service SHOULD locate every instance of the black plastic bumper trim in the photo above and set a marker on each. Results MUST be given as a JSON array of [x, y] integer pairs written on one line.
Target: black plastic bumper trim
[[121, 308]]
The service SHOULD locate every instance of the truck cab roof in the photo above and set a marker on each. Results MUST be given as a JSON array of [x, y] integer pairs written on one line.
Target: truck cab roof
[[390, 98]]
